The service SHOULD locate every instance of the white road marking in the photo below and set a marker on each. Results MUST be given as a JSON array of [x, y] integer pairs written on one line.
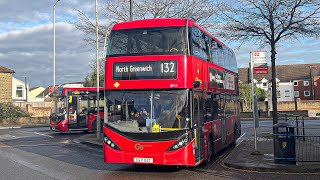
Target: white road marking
[[240, 139], [32, 145], [43, 134], [17, 127]]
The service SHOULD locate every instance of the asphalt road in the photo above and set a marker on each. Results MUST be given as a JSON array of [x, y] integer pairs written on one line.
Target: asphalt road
[[38, 153]]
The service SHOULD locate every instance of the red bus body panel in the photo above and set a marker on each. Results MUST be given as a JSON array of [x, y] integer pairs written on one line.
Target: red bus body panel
[[59, 126]]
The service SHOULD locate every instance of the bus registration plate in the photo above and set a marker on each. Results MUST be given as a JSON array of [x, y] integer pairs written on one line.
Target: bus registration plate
[[142, 160]]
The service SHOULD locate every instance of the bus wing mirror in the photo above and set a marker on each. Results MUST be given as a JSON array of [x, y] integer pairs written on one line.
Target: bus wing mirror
[[196, 84]]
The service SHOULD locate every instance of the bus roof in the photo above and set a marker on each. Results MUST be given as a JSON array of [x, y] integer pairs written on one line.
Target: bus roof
[[62, 91], [160, 22]]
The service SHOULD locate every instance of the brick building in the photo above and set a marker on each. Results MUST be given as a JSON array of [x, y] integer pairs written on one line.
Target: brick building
[[6, 84], [305, 79]]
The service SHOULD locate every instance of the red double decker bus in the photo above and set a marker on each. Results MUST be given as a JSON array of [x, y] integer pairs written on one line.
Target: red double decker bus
[[174, 87], [75, 109]]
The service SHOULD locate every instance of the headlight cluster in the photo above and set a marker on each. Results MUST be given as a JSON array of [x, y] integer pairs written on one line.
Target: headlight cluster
[[110, 143], [183, 141]]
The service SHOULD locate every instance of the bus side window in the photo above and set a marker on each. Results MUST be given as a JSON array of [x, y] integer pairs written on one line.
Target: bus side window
[[215, 106], [208, 108], [208, 47], [222, 104], [214, 51]]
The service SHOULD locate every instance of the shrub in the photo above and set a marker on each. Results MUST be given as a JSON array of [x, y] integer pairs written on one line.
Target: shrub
[[8, 110]]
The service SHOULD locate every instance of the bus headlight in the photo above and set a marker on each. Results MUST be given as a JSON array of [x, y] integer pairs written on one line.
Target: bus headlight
[[183, 141], [110, 143]]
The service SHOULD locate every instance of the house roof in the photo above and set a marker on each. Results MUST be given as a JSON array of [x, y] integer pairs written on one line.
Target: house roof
[[34, 88], [43, 93], [285, 73], [6, 70]]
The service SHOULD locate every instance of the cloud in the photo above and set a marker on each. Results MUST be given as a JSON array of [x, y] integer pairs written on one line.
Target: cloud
[[29, 53], [294, 52], [22, 14]]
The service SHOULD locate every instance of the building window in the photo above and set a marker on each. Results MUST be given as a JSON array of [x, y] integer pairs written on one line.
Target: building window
[[278, 94], [295, 83], [19, 91], [296, 93], [264, 84], [306, 83], [306, 93], [287, 93]]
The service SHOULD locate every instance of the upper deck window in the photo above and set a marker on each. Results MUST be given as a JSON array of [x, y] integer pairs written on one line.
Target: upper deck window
[[207, 48], [148, 41]]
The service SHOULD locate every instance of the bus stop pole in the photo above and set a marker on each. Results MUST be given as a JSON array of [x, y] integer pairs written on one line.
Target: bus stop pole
[[98, 74], [256, 152]]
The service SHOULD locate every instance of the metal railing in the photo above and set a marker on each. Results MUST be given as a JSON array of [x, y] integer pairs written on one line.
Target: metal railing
[[307, 138]]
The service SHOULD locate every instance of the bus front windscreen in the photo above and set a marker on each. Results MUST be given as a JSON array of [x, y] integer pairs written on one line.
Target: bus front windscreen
[[148, 41], [148, 111], [59, 106]]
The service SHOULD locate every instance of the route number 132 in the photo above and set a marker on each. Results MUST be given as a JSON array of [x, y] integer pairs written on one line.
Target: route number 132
[[167, 67]]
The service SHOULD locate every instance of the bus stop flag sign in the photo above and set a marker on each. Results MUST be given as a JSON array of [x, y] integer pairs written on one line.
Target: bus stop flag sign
[[260, 65]]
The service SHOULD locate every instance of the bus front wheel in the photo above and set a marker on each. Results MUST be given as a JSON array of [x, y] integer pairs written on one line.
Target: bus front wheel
[[210, 151], [236, 135], [94, 126]]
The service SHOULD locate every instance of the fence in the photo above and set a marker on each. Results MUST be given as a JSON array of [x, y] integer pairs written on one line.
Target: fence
[[307, 138]]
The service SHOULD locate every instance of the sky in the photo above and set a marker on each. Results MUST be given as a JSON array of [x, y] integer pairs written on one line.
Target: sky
[[26, 42]]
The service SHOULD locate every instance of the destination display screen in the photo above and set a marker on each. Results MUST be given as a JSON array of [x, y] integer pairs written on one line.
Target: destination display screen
[[145, 70]]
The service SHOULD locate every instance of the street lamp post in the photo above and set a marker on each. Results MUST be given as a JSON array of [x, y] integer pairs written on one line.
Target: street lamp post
[[130, 10], [54, 44]]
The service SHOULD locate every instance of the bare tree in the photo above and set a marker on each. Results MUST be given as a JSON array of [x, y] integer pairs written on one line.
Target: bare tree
[[268, 22], [114, 11]]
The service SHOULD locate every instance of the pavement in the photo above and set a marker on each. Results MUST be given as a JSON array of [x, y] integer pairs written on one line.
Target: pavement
[[241, 156], [24, 126]]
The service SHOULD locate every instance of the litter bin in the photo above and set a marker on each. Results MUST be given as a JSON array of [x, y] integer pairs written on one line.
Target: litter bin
[[284, 144]]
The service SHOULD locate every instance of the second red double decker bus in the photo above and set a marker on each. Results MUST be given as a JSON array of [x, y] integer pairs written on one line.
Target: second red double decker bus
[[173, 90], [75, 109]]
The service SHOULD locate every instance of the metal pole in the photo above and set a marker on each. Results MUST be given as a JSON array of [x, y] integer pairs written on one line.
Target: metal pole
[[26, 86], [253, 108], [130, 10], [98, 74], [54, 44], [105, 117]]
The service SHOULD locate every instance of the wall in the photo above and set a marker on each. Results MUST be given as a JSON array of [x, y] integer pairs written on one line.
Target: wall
[[5, 87], [290, 105], [25, 121], [287, 86], [264, 114], [317, 87], [32, 95], [301, 88]]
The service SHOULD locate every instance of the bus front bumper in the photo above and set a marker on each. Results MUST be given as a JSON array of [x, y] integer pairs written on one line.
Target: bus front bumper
[[184, 156], [59, 126]]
